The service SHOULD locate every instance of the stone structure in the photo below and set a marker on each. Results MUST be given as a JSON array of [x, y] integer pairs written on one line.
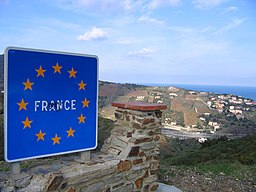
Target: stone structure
[[128, 161]]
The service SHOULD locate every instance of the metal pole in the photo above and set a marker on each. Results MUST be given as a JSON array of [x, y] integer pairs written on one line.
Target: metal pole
[[85, 155], [15, 168]]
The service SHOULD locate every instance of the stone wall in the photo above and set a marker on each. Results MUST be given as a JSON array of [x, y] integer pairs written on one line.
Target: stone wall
[[127, 162]]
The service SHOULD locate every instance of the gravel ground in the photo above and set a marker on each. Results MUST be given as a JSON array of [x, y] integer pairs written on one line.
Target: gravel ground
[[193, 181]]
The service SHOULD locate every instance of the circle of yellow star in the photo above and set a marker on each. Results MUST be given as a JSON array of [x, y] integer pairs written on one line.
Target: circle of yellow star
[[57, 68], [27, 123], [72, 73], [40, 135], [81, 85], [22, 105], [70, 132], [28, 85], [81, 119], [85, 103], [56, 139], [40, 71]]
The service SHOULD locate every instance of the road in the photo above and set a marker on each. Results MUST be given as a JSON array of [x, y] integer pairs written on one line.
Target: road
[[185, 135]]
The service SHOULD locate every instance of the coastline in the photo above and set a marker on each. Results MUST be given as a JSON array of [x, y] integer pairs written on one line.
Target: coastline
[[243, 91]]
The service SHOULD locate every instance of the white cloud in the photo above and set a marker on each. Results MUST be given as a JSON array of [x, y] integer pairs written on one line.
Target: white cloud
[[233, 24], [94, 34], [201, 4], [144, 53], [231, 9], [146, 19], [154, 4]]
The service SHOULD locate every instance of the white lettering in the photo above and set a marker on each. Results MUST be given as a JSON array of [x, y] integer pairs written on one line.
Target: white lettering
[[36, 105], [73, 102], [44, 105], [52, 105], [65, 105], [59, 105]]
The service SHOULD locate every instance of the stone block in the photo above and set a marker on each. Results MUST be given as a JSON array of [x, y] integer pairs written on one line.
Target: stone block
[[55, 181], [115, 187], [119, 142], [151, 179], [143, 140], [148, 146], [114, 151], [71, 189], [148, 120], [124, 165], [154, 187], [134, 174], [139, 183], [141, 166], [137, 161], [80, 174], [21, 180], [119, 131], [94, 187], [126, 188], [115, 178], [137, 125]]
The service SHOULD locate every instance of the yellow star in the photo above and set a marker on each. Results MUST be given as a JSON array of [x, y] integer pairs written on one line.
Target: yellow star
[[85, 103], [81, 119], [40, 71], [81, 85], [72, 73], [40, 135], [28, 85], [71, 132], [57, 68], [22, 105], [56, 139], [27, 123]]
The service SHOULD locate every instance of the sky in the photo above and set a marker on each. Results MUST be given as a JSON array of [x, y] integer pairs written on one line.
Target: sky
[[210, 42]]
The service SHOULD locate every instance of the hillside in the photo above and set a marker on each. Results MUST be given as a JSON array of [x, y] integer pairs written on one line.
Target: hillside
[[216, 165], [195, 111]]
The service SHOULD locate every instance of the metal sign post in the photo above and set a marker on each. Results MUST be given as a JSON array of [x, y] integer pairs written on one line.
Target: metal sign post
[[15, 168], [50, 103]]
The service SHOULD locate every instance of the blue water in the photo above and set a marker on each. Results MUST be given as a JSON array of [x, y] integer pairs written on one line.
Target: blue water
[[244, 91]]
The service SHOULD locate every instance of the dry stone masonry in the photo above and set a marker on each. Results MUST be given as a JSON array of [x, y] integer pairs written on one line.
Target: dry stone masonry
[[128, 160]]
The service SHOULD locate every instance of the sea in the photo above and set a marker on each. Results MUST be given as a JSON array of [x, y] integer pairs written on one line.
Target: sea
[[248, 92]]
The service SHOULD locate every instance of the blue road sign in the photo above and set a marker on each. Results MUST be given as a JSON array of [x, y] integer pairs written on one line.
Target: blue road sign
[[50, 103]]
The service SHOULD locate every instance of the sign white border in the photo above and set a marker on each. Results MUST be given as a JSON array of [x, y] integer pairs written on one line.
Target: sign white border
[[6, 100]]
